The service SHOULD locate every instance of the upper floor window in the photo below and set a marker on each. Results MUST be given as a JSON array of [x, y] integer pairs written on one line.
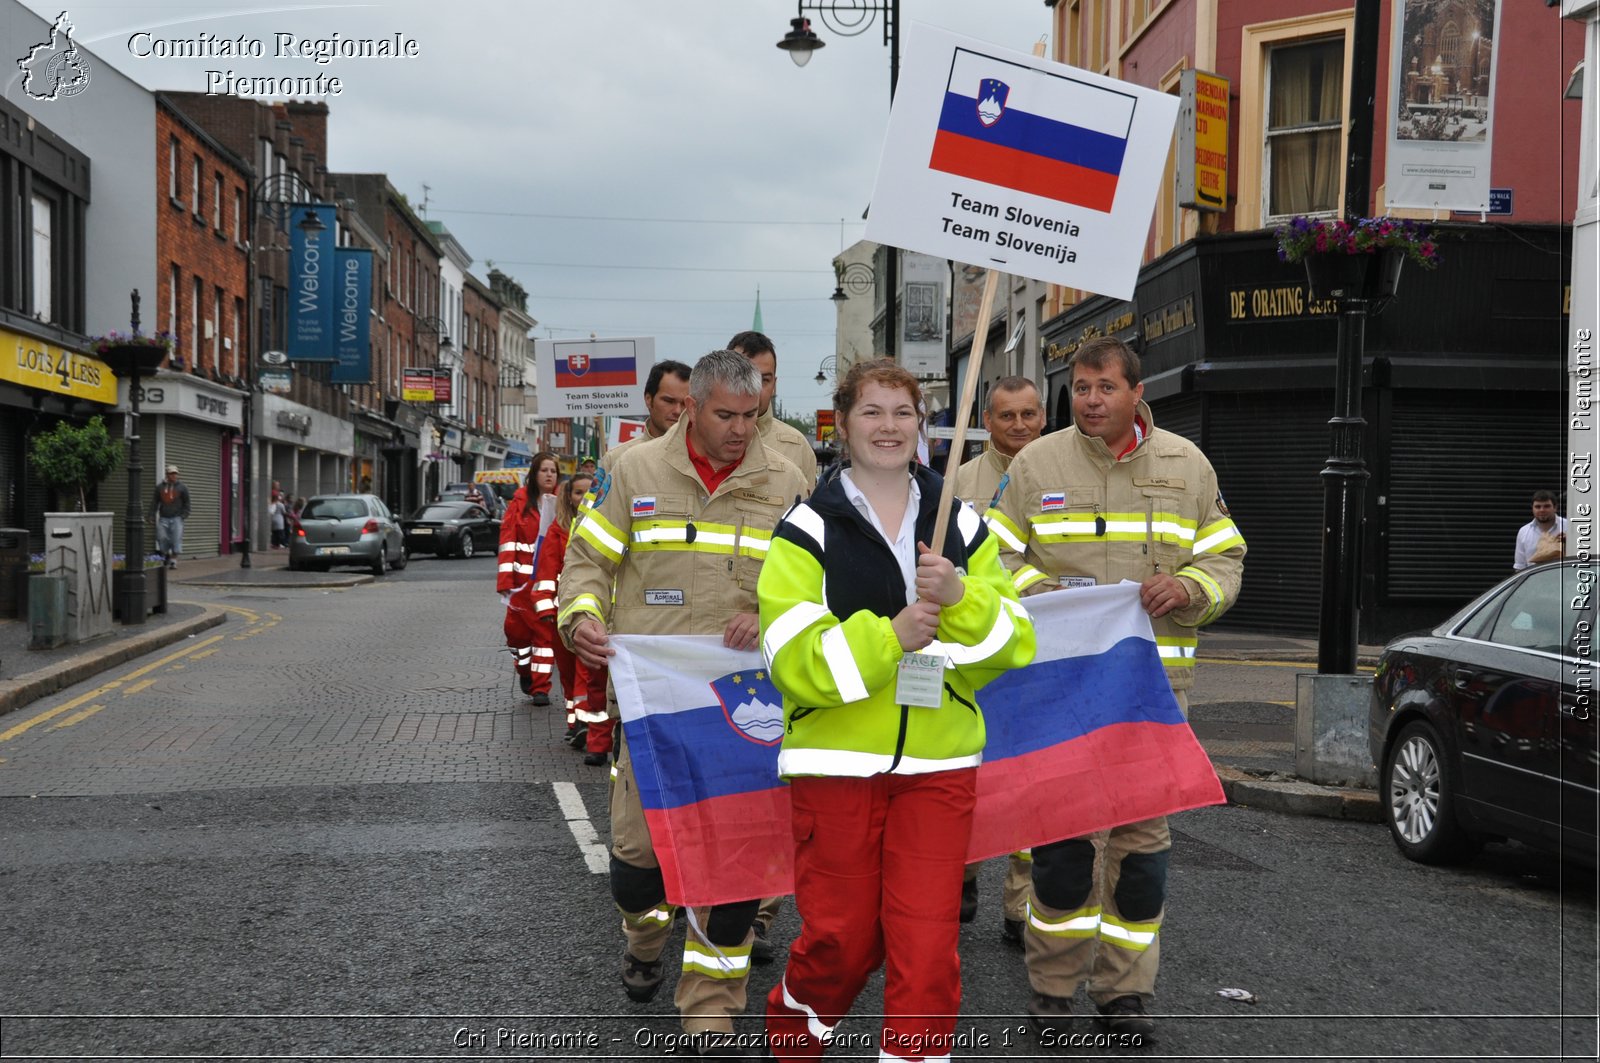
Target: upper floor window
[[43, 258], [1305, 109], [194, 187]]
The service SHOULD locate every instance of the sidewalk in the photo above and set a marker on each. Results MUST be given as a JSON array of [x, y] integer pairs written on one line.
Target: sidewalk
[[1268, 783]]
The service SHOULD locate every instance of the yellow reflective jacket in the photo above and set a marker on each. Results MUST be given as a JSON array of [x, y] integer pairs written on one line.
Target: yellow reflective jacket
[[682, 562], [829, 593], [1071, 514]]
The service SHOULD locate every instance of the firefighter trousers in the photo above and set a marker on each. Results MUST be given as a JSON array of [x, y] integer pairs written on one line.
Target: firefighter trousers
[[1014, 893]]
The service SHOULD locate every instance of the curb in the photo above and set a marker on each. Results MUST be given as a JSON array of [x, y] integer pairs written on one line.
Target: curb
[[15, 693], [1299, 798], [1364, 660], [235, 584]]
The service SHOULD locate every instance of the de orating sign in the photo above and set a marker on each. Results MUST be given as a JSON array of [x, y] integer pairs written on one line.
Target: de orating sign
[[1019, 164], [579, 378], [1441, 104], [311, 282], [352, 316]]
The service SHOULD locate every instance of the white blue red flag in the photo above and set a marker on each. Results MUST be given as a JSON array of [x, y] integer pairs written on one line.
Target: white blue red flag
[[1087, 737], [580, 369], [1046, 134]]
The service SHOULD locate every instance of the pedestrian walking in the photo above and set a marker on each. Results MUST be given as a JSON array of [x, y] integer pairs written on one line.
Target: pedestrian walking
[[1114, 498], [171, 509], [278, 515], [519, 543], [672, 545], [1544, 538], [1014, 417], [878, 644]]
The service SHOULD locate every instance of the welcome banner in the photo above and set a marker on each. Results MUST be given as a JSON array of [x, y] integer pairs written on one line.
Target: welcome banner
[[313, 240], [352, 316]]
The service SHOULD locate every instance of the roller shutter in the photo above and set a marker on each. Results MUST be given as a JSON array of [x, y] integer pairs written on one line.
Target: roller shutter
[[1269, 449], [1462, 468], [1181, 415], [196, 449]]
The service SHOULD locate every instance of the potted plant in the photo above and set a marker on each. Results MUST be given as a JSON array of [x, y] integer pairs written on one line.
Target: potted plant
[[1355, 260], [130, 353], [155, 583], [74, 458]]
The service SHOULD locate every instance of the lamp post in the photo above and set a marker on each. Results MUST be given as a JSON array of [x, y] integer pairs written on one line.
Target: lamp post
[[133, 361], [828, 368], [851, 18], [441, 345], [271, 198]]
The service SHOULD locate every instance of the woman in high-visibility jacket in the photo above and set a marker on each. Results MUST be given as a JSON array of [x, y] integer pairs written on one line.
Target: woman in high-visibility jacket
[[547, 575], [878, 643], [519, 540]]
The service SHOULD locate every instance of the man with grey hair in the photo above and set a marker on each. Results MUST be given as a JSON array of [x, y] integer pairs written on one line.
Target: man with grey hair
[[636, 566]]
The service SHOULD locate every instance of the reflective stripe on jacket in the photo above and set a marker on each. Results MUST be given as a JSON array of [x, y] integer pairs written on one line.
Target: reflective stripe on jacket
[[1071, 511], [829, 593]]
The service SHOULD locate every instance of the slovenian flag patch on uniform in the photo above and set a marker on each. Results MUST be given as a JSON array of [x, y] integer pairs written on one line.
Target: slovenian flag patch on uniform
[[1053, 500], [644, 507]]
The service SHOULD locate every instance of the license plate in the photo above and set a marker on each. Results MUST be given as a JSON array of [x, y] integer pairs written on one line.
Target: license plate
[[421, 531], [333, 549]]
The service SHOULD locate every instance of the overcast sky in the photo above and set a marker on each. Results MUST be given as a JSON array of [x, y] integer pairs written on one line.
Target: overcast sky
[[639, 167]]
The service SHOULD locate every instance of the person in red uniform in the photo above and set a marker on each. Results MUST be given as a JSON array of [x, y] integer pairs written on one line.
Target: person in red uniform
[[546, 577], [519, 540]]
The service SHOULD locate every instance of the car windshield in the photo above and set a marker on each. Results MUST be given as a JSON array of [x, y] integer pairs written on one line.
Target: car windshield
[[440, 512], [334, 509]]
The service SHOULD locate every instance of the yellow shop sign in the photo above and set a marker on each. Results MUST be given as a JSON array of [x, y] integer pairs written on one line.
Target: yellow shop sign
[[33, 363]]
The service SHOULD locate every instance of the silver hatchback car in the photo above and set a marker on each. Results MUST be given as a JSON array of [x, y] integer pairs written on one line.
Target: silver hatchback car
[[347, 530]]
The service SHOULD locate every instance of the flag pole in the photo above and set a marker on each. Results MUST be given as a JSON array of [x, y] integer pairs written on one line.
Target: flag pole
[[969, 391]]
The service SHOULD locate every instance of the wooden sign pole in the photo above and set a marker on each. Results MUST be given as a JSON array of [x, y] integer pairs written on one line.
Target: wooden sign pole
[[969, 391]]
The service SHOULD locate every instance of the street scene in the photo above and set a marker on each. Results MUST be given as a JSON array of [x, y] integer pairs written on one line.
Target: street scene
[[848, 530], [336, 807]]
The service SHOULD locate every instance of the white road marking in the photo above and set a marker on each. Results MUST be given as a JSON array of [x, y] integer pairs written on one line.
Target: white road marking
[[594, 853]]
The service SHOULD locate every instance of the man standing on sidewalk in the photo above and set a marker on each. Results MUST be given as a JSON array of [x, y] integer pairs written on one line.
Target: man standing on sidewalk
[[1114, 498], [172, 509]]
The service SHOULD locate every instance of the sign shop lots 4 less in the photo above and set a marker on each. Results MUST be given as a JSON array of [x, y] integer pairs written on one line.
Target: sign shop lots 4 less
[[33, 363]]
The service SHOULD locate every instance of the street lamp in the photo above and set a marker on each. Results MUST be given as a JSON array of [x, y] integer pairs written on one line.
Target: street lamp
[[851, 18], [829, 367], [855, 276], [134, 362]]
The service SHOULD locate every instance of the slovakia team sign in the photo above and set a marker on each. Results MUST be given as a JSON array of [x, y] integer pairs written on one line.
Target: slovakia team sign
[[1022, 165], [580, 378]]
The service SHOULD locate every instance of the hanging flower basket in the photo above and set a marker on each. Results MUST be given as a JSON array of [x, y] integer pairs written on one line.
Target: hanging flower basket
[[1359, 260], [133, 353]]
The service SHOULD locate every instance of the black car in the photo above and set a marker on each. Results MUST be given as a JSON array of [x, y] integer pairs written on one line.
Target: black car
[[1485, 726], [451, 527]]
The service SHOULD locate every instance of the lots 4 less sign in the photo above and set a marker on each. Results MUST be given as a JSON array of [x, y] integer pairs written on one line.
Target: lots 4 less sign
[[33, 363]]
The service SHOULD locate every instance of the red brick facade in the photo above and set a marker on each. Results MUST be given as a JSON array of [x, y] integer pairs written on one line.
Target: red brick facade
[[480, 348]]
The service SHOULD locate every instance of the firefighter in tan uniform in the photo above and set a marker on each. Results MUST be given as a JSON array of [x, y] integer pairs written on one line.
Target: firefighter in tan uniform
[[1114, 498], [775, 434], [678, 530], [1014, 417]]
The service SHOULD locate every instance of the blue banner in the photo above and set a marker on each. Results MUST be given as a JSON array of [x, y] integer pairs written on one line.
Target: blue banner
[[312, 290], [352, 316]]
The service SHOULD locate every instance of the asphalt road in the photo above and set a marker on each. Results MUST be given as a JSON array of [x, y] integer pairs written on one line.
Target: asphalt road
[[331, 828]]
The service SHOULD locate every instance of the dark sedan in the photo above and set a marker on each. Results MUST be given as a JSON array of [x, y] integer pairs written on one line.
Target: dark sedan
[[450, 527], [1485, 726]]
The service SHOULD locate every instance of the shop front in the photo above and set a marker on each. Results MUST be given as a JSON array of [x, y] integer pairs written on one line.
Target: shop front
[[1462, 395], [300, 450]]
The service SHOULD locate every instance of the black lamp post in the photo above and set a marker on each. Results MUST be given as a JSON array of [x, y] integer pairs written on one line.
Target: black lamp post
[[851, 18], [132, 362], [272, 197]]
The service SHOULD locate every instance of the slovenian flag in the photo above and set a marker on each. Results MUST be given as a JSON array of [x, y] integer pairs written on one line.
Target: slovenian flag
[[1087, 737], [580, 369], [1036, 132]]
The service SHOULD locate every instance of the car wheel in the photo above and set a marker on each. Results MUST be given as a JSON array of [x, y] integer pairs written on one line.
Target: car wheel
[[467, 547], [404, 559], [381, 565], [1419, 799]]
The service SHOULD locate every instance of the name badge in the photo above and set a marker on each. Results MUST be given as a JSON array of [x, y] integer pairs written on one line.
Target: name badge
[[921, 680], [1078, 581], [663, 597]]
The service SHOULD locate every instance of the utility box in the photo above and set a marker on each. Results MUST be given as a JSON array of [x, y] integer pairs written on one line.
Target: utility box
[[13, 570], [77, 546], [1330, 732], [47, 612]]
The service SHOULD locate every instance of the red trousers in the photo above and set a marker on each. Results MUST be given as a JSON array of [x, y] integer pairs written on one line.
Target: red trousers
[[591, 708], [878, 864], [541, 656]]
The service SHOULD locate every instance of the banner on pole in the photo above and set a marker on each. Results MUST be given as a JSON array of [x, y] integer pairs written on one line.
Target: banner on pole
[[1020, 164], [352, 316], [1441, 118], [312, 241]]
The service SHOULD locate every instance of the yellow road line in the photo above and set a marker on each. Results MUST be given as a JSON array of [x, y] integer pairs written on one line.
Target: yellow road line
[[78, 717], [249, 614], [143, 684], [26, 725], [202, 656]]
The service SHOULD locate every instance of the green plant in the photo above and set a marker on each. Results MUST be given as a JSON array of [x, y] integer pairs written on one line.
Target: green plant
[[1364, 236], [72, 457]]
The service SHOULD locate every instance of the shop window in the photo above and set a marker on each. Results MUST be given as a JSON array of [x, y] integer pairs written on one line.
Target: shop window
[[1305, 108], [43, 258]]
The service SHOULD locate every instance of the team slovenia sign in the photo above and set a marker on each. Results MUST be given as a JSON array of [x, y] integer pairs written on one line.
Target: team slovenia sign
[[1019, 164]]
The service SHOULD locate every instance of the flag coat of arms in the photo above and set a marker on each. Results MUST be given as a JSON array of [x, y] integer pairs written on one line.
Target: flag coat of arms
[[1049, 135], [1087, 737], [580, 369]]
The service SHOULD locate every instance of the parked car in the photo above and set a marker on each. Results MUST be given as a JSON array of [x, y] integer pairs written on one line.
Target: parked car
[[347, 530], [445, 528], [1484, 727], [477, 494]]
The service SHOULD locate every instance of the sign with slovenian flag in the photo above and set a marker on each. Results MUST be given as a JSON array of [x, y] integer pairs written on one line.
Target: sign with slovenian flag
[[1087, 737], [593, 376], [1020, 164]]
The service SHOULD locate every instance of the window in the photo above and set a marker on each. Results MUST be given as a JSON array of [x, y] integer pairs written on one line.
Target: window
[[43, 259], [194, 324], [1305, 108], [216, 202], [1531, 616], [194, 187], [172, 302], [238, 216], [216, 328], [238, 352], [172, 169]]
